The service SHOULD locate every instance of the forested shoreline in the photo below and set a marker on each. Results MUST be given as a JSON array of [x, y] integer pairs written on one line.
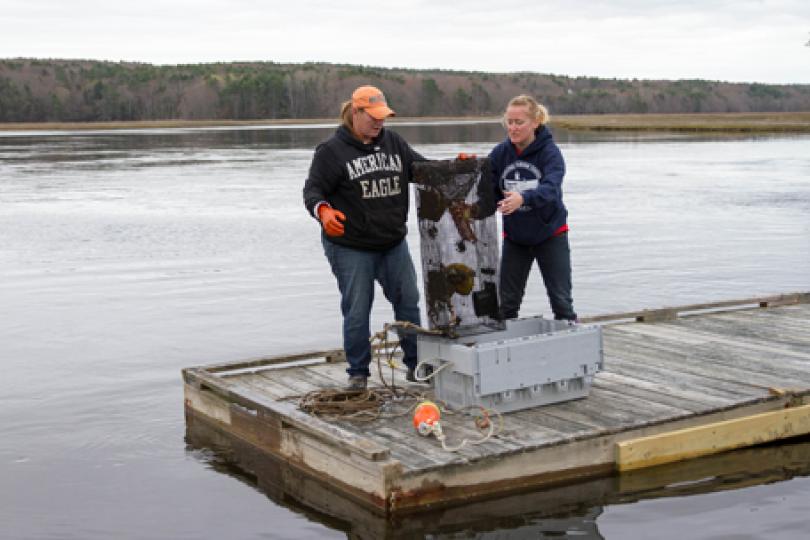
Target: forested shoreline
[[49, 90]]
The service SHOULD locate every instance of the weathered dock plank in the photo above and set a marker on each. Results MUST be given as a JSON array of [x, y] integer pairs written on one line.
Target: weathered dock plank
[[643, 366], [698, 360], [690, 335], [686, 398], [716, 379], [549, 424], [759, 327]]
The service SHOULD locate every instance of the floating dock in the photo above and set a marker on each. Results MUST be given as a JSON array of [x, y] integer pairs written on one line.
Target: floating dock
[[678, 383]]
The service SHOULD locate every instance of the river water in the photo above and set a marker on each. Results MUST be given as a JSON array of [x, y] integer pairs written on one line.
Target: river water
[[126, 256]]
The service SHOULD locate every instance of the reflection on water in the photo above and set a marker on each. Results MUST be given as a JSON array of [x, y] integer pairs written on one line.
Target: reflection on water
[[128, 256]]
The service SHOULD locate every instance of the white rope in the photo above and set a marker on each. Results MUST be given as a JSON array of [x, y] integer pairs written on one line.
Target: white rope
[[437, 430], [433, 373]]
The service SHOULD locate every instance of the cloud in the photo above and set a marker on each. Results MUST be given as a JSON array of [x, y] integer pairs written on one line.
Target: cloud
[[746, 40]]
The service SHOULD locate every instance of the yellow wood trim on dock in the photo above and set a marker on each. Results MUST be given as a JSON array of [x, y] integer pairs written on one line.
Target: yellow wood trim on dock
[[712, 438]]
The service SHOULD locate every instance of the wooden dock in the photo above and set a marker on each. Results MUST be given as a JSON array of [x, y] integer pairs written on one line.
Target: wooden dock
[[678, 383]]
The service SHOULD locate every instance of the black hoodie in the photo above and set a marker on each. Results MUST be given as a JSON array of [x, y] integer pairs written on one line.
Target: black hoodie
[[367, 182]]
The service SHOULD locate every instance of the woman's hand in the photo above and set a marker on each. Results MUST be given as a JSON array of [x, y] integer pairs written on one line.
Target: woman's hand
[[331, 220], [511, 201]]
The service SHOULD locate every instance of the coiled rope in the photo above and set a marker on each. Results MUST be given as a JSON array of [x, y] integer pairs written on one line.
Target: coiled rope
[[391, 401], [371, 403]]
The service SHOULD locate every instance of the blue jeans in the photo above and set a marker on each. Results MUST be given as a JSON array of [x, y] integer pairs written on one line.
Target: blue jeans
[[553, 257], [356, 270]]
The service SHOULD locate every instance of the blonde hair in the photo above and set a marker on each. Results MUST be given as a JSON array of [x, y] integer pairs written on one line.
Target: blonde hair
[[537, 111], [346, 114]]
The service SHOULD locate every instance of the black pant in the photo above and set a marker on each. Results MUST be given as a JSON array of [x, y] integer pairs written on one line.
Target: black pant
[[553, 257]]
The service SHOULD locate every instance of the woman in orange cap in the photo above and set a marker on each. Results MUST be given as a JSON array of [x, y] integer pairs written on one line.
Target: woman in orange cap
[[357, 188]]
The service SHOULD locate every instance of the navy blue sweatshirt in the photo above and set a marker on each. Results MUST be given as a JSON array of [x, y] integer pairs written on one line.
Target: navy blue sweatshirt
[[537, 173]]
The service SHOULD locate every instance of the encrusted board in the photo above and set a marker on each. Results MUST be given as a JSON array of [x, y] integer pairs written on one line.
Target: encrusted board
[[459, 243]]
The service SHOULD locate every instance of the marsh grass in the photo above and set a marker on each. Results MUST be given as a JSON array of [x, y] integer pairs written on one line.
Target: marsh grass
[[721, 122], [696, 122]]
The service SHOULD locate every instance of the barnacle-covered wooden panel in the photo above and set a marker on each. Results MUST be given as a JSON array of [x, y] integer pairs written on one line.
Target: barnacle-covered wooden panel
[[459, 243]]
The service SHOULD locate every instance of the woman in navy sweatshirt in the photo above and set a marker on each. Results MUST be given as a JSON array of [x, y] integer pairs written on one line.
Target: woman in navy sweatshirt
[[528, 170]]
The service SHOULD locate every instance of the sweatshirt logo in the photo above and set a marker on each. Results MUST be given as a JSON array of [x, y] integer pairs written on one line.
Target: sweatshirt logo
[[376, 186], [520, 176], [379, 161]]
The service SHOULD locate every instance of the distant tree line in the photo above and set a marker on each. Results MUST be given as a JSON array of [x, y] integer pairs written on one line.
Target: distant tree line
[[36, 90]]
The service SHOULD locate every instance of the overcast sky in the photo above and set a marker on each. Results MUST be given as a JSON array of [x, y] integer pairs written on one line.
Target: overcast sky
[[735, 40]]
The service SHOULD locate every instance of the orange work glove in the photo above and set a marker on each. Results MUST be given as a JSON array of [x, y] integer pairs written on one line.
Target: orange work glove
[[462, 156], [331, 220]]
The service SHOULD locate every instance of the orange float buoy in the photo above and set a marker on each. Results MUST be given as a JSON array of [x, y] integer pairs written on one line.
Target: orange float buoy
[[425, 416]]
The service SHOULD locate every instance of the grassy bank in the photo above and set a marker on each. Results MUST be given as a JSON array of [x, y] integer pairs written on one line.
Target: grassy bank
[[711, 122]]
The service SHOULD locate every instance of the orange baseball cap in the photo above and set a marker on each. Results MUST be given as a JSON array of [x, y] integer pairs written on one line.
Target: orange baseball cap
[[372, 100]]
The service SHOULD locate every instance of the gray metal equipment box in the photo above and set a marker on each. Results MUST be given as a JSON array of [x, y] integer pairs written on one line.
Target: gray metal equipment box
[[533, 362]]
